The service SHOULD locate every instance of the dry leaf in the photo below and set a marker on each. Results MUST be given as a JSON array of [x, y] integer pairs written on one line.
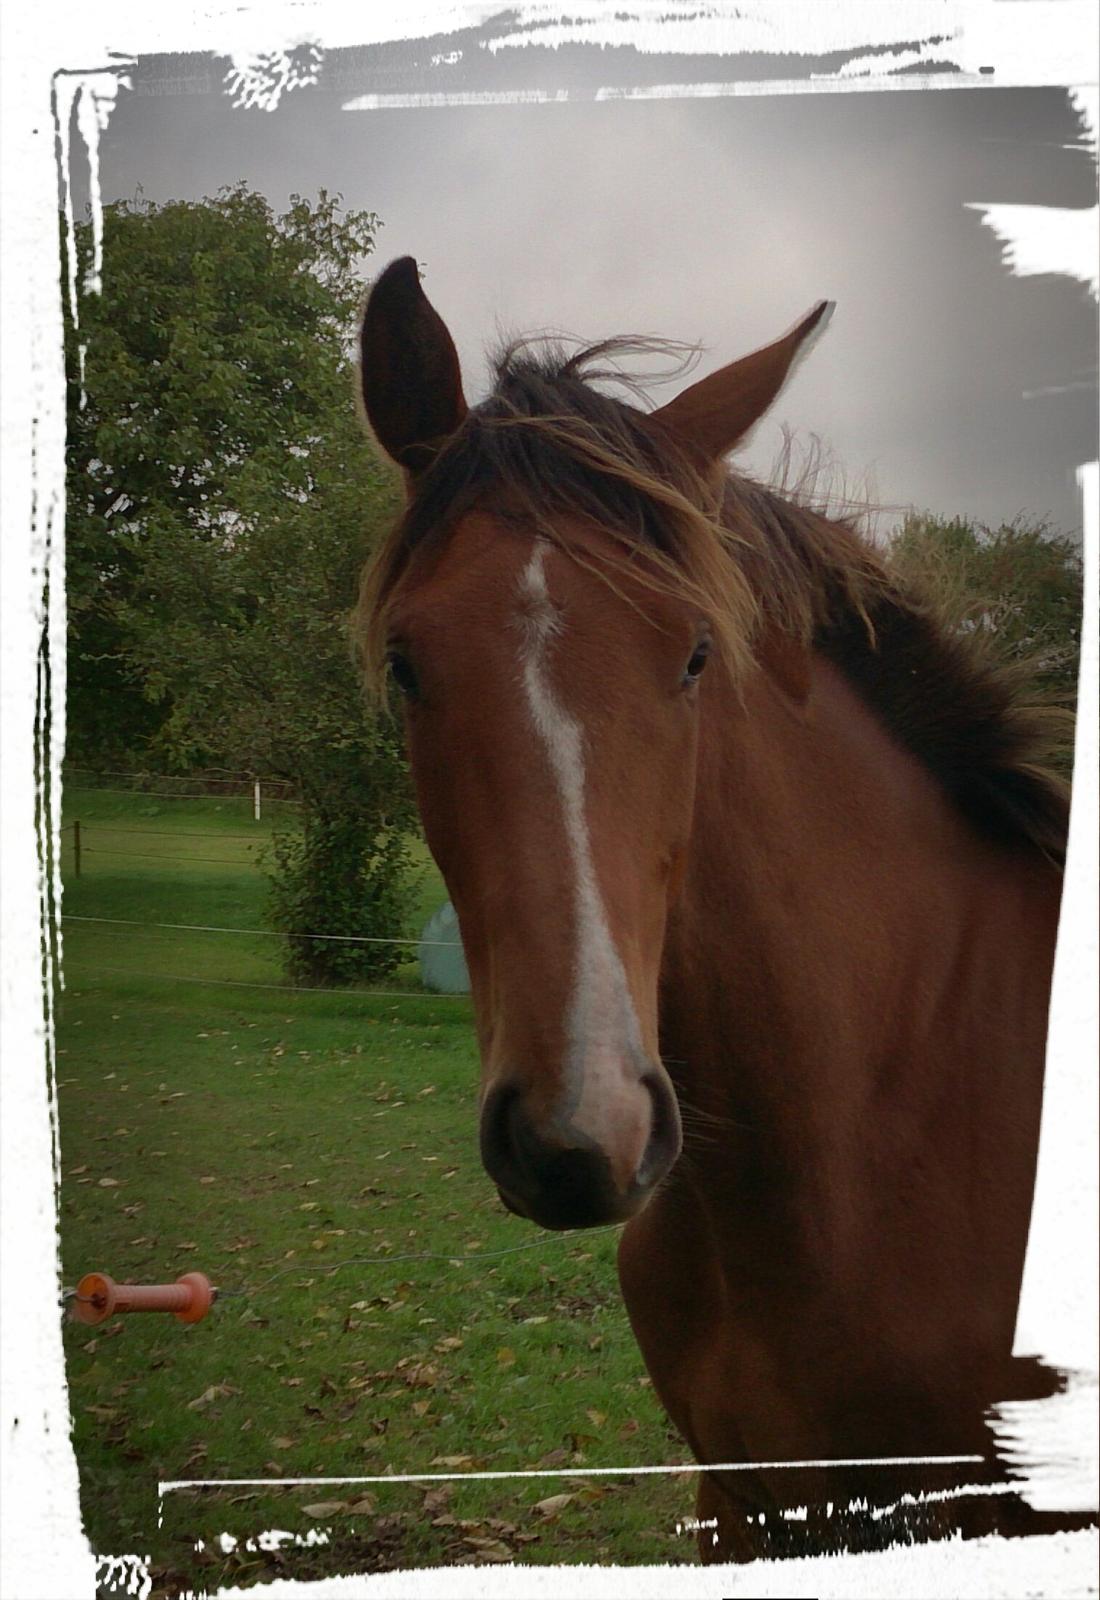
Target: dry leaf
[[596, 1418], [325, 1508], [422, 1376], [216, 1391], [506, 1357], [553, 1504], [490, 1549], [109, 1183]]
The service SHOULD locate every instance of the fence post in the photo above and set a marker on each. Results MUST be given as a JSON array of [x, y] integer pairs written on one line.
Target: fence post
[[76, 847], [256, 800]]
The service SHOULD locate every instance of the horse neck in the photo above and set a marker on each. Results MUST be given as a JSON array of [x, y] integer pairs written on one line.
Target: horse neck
[[834, 909]]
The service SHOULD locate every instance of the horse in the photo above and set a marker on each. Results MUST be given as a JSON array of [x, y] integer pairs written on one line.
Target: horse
[[757, 865]]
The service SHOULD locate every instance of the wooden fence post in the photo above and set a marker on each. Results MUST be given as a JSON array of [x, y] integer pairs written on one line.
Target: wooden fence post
[[76, 847]]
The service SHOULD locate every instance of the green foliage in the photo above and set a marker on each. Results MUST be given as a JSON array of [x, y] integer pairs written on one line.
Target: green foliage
[[221, 503], [1019, 584], [348, 877]]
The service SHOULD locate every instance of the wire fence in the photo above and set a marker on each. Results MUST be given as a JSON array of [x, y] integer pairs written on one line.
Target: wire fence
[[205, 785], [80, 831], [176, 795], [279, 988], [81, 848], [209, 781], [269, 933]]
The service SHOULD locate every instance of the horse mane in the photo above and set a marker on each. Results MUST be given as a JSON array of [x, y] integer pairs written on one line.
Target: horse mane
[[547, 444]]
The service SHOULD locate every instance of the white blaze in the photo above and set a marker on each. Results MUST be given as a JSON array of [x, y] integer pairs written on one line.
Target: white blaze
[[604, 1040]]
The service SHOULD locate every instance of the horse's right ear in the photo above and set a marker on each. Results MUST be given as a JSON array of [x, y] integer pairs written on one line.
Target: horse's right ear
[[408, 368]]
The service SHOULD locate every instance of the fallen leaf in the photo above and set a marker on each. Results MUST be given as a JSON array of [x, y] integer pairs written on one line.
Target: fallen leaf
[[109, 1183], [422, 1376], [490, 1549], [325, 1508], [506, 1357], [216, 1391], [553, 1504], [591, 1491], [596, 1418]]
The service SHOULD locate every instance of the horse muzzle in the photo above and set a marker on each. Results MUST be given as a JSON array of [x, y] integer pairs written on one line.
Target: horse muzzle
[[559, 1175]]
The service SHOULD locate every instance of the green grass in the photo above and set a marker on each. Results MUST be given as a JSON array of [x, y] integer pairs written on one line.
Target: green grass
[[266, 1135]]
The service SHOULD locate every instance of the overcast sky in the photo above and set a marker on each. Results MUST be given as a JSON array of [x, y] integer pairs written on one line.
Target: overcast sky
[[943, 381]]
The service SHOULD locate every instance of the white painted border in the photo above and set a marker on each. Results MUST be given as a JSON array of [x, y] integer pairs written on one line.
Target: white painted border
[[44, 1555]]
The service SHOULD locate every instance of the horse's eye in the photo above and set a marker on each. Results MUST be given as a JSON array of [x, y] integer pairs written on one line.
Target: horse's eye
[[402, 674], [697, 663]]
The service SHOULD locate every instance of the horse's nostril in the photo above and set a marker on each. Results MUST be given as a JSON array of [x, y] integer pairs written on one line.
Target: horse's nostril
[[665, 1138], [495, 1134]]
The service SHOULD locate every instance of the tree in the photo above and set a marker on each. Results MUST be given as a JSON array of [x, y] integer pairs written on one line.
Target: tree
[[222, 501], [1019, 583]]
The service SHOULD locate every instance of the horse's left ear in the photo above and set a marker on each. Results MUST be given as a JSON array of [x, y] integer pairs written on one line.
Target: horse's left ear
[[718, 411], [408, 367]]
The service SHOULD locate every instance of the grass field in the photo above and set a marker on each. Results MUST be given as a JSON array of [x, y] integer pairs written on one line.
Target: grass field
[[315, 1154]]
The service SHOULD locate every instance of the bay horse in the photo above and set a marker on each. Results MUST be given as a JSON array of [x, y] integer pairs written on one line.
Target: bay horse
[[757, 866]]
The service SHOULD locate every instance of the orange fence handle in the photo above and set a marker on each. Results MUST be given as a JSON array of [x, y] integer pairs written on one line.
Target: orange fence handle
[[99, 1297]]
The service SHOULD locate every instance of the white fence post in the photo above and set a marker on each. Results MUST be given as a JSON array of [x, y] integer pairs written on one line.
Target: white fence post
[[256, 800]]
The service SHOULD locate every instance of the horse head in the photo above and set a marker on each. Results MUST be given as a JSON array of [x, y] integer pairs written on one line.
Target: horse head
[[548, 633]]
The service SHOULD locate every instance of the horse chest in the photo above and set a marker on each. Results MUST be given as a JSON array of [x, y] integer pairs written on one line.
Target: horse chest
[[716, 1365]]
